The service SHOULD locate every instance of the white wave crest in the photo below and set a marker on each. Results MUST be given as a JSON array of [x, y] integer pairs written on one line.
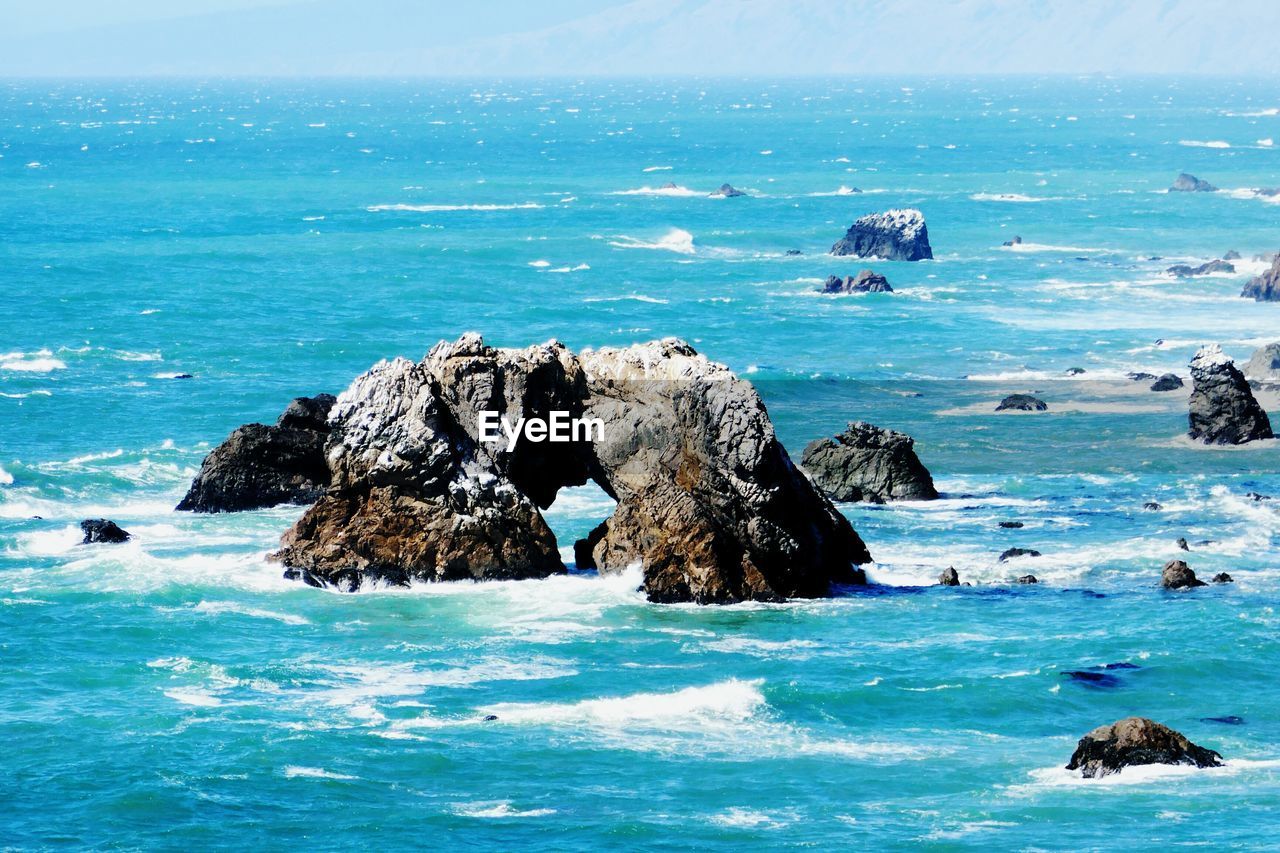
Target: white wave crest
[[40, 361], [1198, 143], [670, 192], [676, 240], [440, 208]]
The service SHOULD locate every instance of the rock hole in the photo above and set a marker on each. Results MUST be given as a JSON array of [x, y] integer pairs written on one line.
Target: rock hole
[[574, 515]]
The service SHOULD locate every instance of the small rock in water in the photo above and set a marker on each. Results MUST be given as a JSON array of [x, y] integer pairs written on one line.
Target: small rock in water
[[868, 463], [1188, 271], [1012, 525], [98, 530], [1178, 575], [1016, 241], [1022, 403], [1191, 184], [1018, 552], [1182, 543], [1229, 720], [791, 253], [1075, 371], [1151, 505], [1257, 496], [1141, 377], [1028, 579], [1167, 382], [728, 191], [489, 718], [865, 281], [1134, 741], [1231, 255], [949, 577], [1223, 577]]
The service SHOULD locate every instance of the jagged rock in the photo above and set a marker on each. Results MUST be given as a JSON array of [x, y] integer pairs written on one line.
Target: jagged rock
[[1151, 505], [895, 235], [1178, 575], [1266, 286], [867, 463], [261, 466], [1182, 544], [1187, 271], [1016, 241], [708, 502], [1191, 184], [1010, 553], [865, 281], [949, 577], [1222, 407], [1231, 255], [1167, 382], [1012, 525], [1028, 579], [1223, 577], [1136, 741], [1022, 403], [98, 530], [1265, 363], [728, 191], [584, 549], [1257, 496]]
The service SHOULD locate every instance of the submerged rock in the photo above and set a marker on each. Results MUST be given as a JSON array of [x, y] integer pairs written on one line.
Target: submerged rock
[[949, 577], [1142, 377], [1223, 577], [98, 530], [1265, 363], [1231, 255], [1167, 382], [1136, 741], [1187, 271], [1016, 241], [868, 463], [1028, 579], [1022, 403], [1266, 286], [1182, 544], [728, 191], [1185, 183], [708, 502], [1222, 406], [1229, 720], [1012, 525], [261, 466], [1011, 553], [895, 235], [1178, 575], [865, 281], [792, 253]]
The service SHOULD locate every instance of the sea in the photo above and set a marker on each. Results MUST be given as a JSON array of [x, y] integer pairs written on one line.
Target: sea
[[275, 238]]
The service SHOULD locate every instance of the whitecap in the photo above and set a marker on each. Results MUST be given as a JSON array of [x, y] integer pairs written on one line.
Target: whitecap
[[1197, 143], [1011, 197], [440, 208], [293, 771], [671, 192], [657, 168], [691, 707], [6, 479], [40, 361], [675, 240], [217, 607], [193, 696], [498, 809]]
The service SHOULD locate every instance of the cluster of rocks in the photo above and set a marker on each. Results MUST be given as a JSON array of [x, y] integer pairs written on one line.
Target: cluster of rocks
[[894, 235], [1223, 409], [865, 281], [1265, 287], [1186, 183], [261, 466], [1178, 575], [868, 463], [728, 191], [708, 502], [1187, 271], [1016, 241]]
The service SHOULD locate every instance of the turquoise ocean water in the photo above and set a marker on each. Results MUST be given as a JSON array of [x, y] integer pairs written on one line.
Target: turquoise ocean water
[[276, 239]]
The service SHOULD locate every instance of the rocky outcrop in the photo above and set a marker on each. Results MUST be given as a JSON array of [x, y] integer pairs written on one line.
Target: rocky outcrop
[[98, 530], [1016, 241], [1022, 403], [1012, 553], [1135, 741], [728, 191], [865, 281], [1167, 382], [895, 235], [868, 463], [1231, 255], [1178, 575], [1265, 363], [1264, 287], [1028, 579], [1223, 577], [1187, 271], [709, 505], [1185, 183], [1222, 407], [949, 577], [261, 466]]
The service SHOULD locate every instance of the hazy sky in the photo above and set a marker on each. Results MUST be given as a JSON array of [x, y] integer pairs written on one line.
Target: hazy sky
[[635, 37]]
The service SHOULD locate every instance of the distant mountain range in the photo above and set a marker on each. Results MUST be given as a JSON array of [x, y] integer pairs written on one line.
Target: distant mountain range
[[646, 37]]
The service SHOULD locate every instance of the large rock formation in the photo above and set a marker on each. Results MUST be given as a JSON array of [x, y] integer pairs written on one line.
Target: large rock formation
[[1265, 363], [1185, 183], [1222, 407], [1265, 287], [895, 235], [865, 281], [867, 463], [1134, 741], [260, 466], [709, 504]]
